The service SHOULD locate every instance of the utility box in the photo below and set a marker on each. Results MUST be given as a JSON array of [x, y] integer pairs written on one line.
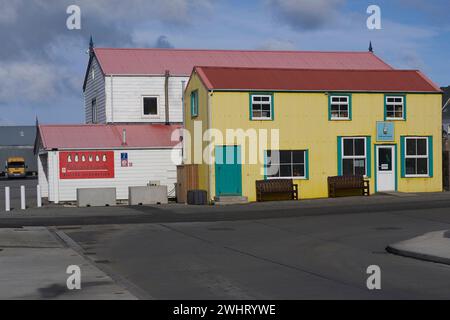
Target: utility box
[[96, 197], [147, 195]]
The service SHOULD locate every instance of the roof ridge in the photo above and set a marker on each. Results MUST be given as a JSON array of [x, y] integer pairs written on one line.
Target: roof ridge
[[235, 50], [308, 69]]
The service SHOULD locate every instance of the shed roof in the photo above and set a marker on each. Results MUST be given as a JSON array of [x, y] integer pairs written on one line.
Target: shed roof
[[17, 136], [248, 79], [145, 136], [181, 61]]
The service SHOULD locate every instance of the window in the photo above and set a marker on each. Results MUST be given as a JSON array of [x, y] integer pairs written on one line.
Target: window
[[287, 164], [340, 107], [261, 107], [150, 106], [416, 156], [94, 110], [194, 103], [354, 156], [395, 108]]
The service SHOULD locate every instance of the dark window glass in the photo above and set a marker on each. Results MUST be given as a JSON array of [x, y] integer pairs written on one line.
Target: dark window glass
[[411, 147], [150, 106], [286, 170], [410, 166], [298, 156], [421, 147], [422, 166], [299, 170], [285, 157], [348, 147], [359, 147]]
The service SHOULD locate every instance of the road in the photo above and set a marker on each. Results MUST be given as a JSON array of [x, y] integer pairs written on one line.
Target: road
[[317, 254]]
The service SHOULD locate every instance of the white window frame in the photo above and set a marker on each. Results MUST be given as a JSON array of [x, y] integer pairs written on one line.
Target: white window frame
[[270, 102], [394, 104], [304, 177], [151, 116], [344, 157], [427, 156], [340, 104]]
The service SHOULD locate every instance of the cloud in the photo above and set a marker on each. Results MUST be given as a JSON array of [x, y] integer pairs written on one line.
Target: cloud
[[277, 44], [306, 14], [163, 42]]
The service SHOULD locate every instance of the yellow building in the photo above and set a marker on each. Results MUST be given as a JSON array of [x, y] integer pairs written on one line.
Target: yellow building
[[308, 125]]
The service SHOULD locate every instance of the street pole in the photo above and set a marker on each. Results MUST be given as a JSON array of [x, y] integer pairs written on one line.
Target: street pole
[[22, 198], [39, 199], [7, 200]]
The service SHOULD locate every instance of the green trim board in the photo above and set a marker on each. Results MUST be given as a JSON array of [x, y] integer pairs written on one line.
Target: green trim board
[[404, 106], [334, 94], [250, 105], [194, 103]]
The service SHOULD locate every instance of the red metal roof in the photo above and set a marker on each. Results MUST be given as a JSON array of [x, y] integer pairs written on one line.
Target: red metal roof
[[182, 61], [315, 80], [107, 136]]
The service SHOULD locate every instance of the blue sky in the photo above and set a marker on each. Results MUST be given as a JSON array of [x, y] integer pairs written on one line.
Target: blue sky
[[42, 64]]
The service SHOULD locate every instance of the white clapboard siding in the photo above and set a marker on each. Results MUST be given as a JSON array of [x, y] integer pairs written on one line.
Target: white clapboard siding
[[95, 89], [148, 165], [124, 98]]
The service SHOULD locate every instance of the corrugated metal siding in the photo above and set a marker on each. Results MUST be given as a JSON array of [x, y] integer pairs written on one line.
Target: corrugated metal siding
[[95, 88], [148, 165], [127, 96]]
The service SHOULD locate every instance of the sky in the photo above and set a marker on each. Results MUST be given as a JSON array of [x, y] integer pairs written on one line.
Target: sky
[[42, 62]]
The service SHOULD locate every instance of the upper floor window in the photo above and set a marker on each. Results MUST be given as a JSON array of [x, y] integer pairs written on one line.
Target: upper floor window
[[194, 103], [340, 107], [395, 108], [287, 164], [150, 106], [94, 110], [261, 107]]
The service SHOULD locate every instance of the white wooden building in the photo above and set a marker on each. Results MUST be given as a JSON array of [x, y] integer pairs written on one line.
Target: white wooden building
[[105, 156], [145, 85]]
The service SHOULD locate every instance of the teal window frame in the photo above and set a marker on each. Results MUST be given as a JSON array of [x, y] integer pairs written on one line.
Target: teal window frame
[[368, 153], [306, 164], [330, 97], [403, 157], [403, 96], [272, 115], [194, 103]]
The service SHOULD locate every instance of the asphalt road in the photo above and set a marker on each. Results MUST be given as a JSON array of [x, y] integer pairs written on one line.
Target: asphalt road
[[323, 254]]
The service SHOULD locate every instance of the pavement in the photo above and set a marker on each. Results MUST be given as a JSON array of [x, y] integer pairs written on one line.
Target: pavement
[[34, 263], [432, 246]]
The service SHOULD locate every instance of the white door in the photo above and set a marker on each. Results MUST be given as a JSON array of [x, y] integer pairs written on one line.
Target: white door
[[385, 159]]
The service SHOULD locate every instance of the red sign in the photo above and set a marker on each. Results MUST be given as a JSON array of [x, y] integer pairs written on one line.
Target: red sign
[[86, 165]]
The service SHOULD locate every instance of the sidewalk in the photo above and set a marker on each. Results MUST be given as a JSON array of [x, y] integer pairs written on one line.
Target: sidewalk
[[433, 246], [34, 263]]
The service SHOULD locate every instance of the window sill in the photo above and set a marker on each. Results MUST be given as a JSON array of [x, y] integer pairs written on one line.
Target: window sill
[[261, 119], [340, 119], [417, 176], [287, 178], [395, 119]]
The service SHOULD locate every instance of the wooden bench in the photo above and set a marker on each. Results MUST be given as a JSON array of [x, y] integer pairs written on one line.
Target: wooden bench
[[348, 183], [276, 186]]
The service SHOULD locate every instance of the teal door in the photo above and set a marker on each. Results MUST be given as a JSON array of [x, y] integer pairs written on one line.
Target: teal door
[[228, 171]]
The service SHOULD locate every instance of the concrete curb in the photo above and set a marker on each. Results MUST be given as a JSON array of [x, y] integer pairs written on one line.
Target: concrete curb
[[427, 247]]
